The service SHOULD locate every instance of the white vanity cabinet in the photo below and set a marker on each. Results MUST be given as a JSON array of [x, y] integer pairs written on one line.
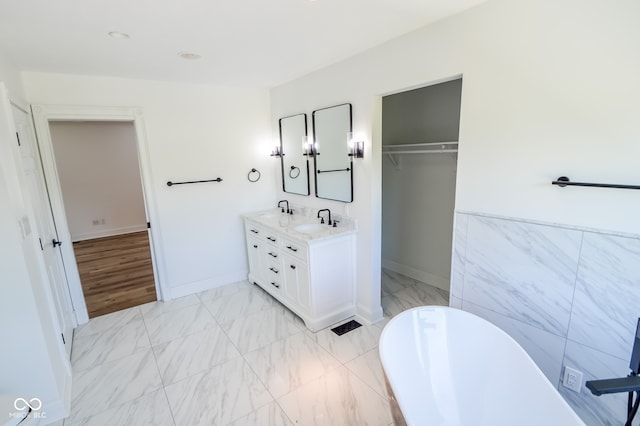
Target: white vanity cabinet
[[313, 275]]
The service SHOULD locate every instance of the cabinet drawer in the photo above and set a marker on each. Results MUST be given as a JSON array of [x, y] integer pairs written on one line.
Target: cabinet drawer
[[294, 248], [272, 253], [274, 285], [271, 237], [274, 271], [253, 230]]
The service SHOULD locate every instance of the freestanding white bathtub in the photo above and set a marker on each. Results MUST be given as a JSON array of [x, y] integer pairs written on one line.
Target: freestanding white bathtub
[[449, 367]]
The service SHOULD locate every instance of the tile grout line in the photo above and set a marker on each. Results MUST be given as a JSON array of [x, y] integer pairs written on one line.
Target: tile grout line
[[114, 360], [242, 356], [164, 388], [573, 296]]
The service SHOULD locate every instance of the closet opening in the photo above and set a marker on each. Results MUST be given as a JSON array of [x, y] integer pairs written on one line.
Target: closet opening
[[420, 129]]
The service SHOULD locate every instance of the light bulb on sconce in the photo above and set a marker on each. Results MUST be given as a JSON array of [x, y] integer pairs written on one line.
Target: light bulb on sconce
[[356, 148], [277, 151], [308, 147]]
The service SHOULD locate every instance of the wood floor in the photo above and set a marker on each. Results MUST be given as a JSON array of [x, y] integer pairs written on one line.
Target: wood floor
[[115, 272]]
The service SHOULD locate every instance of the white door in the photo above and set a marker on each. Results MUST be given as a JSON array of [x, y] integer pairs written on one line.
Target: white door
[[36, 196]]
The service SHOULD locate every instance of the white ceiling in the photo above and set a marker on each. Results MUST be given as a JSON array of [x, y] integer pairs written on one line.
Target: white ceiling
[[260, 43]]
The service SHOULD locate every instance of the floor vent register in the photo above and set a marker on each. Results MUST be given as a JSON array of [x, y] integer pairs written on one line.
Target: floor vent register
[[346, 327]]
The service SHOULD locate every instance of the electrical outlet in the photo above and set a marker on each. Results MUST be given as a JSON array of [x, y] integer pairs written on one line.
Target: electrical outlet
[[102, 221], [96, 222], [572, 379]]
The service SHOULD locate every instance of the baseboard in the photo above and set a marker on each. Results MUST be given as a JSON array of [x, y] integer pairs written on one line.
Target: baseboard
[[108, 232], [203, 285], [52, 412], [369, 316], [425, 277]]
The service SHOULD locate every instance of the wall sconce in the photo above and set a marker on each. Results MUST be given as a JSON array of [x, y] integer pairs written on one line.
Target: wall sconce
[[277, 152], [308, 147], [356, 148]]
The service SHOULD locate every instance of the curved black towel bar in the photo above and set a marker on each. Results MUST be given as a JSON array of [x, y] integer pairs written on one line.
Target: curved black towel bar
[[563, 181], [194, 181]]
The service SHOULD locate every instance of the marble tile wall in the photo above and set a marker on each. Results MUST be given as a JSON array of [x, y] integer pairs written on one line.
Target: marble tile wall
[[569, 296]]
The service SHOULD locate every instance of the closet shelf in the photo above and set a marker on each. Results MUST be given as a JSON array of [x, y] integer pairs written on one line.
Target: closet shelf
[[418, 148], [421, 148]]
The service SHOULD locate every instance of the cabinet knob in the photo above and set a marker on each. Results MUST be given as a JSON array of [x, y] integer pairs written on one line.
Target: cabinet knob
[[292, 248], [254, 231], [272, 254], [255, 246], [275, 285], [274, 270], [293, 266]]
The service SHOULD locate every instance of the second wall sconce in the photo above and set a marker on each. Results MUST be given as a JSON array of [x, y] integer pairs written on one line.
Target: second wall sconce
[[356, 148], [308, 147]]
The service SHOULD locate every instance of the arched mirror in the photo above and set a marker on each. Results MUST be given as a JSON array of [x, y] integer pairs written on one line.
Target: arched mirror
[[295, 165], [332, 163]]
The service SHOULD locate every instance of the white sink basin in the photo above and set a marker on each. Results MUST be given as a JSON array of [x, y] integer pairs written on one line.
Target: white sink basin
[[310, 228]]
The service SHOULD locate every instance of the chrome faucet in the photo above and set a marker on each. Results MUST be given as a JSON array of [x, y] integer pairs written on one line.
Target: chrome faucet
[[322, 218], [284, 201]]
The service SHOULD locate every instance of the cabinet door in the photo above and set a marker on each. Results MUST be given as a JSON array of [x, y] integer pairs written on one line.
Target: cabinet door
[[257, 261], [296, 282]]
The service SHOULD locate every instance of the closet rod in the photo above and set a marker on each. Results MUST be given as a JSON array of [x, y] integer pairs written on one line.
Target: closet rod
[[413, 145], [563, 181]]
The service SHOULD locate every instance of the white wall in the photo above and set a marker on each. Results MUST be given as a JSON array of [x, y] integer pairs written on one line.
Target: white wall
[[417, 216], [550, 88], [97, 164], [195, 132], [10, 76]]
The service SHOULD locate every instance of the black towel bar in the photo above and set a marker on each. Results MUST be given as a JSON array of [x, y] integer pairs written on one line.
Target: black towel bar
[[563, 181], [335, 170], [194, 181]]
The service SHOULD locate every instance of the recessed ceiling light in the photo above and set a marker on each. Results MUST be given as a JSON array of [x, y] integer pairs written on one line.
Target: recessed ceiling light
[[189, 55], [118, 34]]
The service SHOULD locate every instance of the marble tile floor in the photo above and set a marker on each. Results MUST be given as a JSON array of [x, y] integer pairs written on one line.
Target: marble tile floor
[[232, 356], [400, 293]]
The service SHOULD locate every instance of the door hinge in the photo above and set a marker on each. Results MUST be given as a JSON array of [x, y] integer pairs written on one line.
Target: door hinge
[[63, 341], [18, 137], [41, 246], [148, 225]]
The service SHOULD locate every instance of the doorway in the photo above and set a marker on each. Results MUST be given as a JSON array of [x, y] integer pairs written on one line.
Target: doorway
[[419, 142], [99, 175], [96, 227]]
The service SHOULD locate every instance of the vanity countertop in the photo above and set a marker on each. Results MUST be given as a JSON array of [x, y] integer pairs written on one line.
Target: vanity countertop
[[301, 227]]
